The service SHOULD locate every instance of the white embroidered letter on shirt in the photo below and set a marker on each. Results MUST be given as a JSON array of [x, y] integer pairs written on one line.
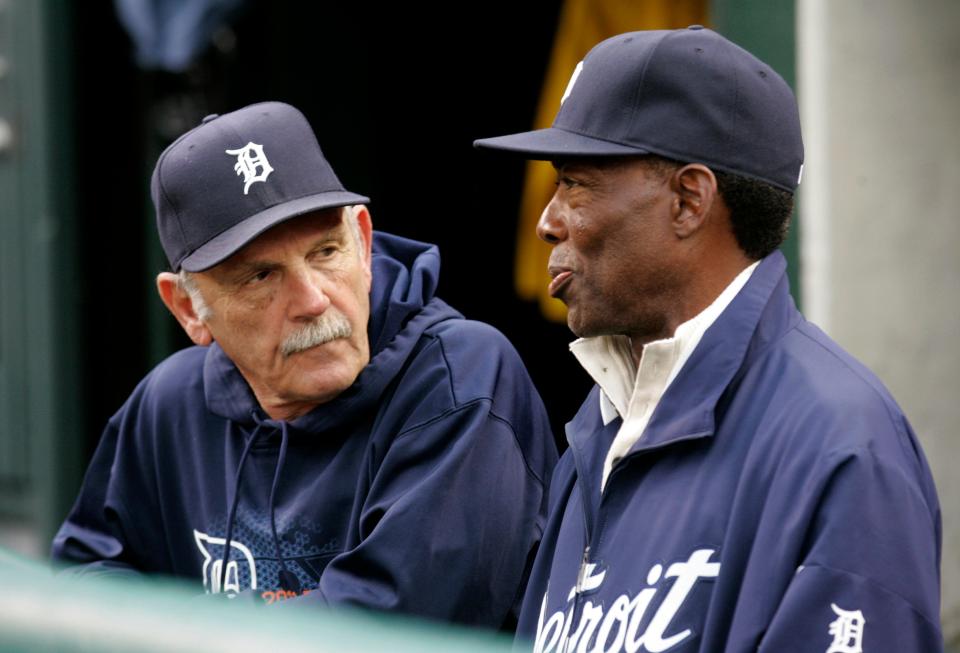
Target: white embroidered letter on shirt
[[847, 631], [213, 565], [612, 624]]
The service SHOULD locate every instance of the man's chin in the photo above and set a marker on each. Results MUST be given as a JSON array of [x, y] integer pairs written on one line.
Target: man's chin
[[585, 329], [578, 326]]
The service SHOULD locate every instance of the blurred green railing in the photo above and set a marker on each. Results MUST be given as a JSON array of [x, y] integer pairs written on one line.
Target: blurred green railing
[[42, 612]]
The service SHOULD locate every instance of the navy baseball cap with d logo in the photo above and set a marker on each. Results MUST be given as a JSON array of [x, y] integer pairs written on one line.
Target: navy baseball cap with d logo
[[689, 95], [234, 176]]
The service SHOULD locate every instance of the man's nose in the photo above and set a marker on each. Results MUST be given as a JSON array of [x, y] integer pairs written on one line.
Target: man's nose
[[551, 227], [308, 297]]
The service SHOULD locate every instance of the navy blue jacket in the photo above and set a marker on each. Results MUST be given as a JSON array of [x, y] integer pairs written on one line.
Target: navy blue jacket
[[420, 489], [778, 501]]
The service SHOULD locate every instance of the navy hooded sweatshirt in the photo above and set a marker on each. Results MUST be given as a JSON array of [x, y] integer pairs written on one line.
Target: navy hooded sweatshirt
[[777, 502], [419, 489]]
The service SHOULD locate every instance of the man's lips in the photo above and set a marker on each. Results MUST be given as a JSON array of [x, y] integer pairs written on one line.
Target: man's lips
[[560, 278]]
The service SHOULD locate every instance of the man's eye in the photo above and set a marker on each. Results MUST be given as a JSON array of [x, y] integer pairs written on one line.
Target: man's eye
[[325, 252], [567, 182], [259, 276]]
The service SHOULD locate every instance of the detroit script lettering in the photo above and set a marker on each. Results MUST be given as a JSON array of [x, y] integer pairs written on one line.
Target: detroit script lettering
[[617, 627]]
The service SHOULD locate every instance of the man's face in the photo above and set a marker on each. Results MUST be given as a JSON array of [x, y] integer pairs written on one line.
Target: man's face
[[291, 310], [615, 261]]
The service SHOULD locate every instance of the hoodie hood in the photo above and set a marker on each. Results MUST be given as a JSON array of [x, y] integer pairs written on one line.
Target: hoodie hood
[[402, 307]]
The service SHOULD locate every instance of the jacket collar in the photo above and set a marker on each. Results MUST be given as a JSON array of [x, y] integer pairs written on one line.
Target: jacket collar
[[687, 409]]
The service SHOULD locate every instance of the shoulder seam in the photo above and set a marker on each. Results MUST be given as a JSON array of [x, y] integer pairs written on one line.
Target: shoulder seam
[[881, 586], [885, 401], [446, 364], [470, 404]]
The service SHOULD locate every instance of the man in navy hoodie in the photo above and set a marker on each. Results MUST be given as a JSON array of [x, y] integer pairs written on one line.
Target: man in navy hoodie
[[735, 481], [339, 431]]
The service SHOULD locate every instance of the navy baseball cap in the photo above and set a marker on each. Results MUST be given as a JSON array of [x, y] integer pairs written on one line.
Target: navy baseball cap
[[234, 176], [688, 94]]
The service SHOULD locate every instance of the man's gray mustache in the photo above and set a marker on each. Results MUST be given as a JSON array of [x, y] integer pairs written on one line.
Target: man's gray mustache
[[332, 324]]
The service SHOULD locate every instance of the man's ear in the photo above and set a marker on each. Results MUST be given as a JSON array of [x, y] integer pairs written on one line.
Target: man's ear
[[696, 191], [179, 302], [365, 222]]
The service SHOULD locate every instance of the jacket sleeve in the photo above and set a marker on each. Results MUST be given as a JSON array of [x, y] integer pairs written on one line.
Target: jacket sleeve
[[450, 525], [870, 579], [96, 538]]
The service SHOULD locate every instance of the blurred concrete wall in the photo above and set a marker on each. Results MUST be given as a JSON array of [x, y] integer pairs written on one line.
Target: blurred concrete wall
[[880, 226]]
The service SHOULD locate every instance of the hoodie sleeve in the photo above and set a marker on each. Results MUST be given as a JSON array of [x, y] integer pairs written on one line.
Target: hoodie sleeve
[[116, 524], [456, 507], [94, 539]]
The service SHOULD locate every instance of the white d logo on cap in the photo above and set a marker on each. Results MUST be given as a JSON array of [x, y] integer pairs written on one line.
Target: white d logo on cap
[[573, 80], [250, 157]]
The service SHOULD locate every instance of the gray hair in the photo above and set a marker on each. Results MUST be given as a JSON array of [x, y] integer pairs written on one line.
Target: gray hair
[[350, 214], [188, 284], [326, 327]]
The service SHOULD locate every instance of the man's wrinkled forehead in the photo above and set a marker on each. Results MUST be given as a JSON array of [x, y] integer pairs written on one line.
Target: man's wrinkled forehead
[[325, 222]]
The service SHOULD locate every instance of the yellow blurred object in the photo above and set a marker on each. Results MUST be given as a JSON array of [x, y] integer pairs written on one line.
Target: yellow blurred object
[[582, 24]]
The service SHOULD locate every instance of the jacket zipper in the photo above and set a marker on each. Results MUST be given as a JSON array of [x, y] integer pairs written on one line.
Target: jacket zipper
[[574, 611]]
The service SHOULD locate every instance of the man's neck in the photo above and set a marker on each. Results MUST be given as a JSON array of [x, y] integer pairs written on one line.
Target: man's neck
[[701, 294]]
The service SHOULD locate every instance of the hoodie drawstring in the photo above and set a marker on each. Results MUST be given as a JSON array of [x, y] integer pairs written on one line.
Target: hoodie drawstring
[[233, 505], [288, 580]]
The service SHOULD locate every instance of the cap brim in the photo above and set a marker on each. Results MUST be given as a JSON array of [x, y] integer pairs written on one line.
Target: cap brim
[[553, 143], [226, 244]]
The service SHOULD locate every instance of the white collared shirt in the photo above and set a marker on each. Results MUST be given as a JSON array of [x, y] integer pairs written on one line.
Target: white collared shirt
[[633, 392]]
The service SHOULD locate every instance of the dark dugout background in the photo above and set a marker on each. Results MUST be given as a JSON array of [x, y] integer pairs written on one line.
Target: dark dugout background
[[396, 94]]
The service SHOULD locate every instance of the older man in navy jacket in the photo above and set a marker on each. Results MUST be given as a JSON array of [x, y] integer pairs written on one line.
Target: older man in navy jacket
[[735, 481], [338, 431]]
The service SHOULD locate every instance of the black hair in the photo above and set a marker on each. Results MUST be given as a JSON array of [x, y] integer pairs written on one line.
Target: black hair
[[759, 212]]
